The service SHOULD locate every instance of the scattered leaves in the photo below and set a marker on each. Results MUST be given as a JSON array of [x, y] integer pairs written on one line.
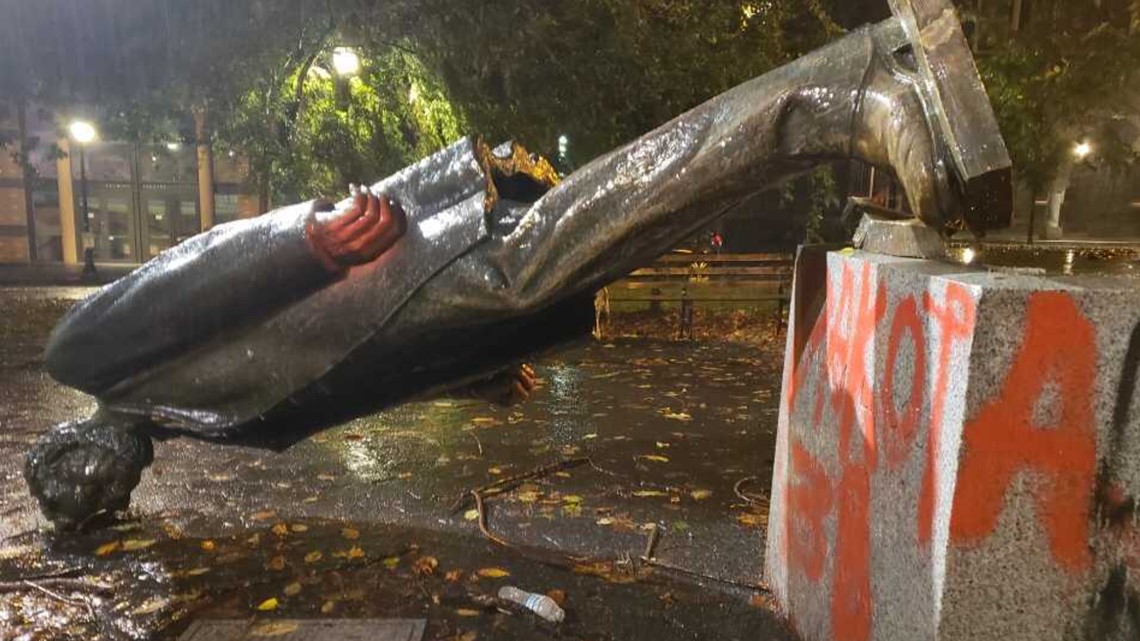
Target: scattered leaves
[[280, 529], [453, 576], [299, 528], [314, 556], [267, 605], [264, 515], [467, 612], [208, 546], [646, 493], [656, 458], [493, 573], [293, 589], [276, 563], [391, 562], [350, 534], [700, 495], [471, 515], [558, 596]]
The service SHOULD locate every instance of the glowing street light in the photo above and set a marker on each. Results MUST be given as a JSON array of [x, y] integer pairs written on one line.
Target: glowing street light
[[1082, 150], [345, 61], [173, 146], [82, 131]]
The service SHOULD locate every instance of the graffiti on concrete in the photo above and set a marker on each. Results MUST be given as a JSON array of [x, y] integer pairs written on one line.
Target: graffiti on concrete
[[886, 411]]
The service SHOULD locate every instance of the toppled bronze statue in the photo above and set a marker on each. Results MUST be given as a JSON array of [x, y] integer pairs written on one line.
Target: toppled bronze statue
[[266, 329]]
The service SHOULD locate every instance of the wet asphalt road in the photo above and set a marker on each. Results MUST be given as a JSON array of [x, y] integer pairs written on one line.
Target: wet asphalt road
[[360, 521]]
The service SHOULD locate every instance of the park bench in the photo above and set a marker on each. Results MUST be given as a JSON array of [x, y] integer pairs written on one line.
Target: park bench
[[726, 281]]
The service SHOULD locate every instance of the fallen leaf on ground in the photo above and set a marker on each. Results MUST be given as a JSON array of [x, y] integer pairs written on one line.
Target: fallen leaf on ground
[[130, 545], [471, 515], [558, 596], [425, 565], [493, 573], [274, 629], [280, 529], [264, 515], [466, 612], [760, 601], [209, 546], [268, 605], [276, 563], [350, 533], [676, 416], [327, 607], [197, 571], [293, 589], [355, 552], [453, 576], [750, 519], [108, 548], [391, 562], [151, 606], [470, 635], [572, 499], [645, 493], [299, 527], [700, 495], [314, 556], [657, 458]]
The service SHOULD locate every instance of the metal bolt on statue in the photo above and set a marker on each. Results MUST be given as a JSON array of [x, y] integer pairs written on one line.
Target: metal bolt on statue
[[265, 330]]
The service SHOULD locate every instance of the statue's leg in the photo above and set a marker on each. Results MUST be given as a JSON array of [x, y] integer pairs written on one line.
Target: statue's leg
[[855, 98], [79, 470]]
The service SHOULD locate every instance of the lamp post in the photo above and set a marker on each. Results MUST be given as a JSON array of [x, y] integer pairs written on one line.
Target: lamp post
[[83, 133], [346, 63]]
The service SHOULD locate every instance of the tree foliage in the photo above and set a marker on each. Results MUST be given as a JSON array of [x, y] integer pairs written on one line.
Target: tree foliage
[[599, 71], [1067, 75]]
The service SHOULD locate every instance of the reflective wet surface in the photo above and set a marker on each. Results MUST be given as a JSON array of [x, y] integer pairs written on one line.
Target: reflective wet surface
[[1053, 258], [362, 520]]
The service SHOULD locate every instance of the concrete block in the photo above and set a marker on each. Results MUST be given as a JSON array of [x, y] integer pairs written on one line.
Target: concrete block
[[958, 454], [904, 238]]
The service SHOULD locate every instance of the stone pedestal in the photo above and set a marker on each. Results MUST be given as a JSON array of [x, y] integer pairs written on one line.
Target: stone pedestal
[[958, 454]]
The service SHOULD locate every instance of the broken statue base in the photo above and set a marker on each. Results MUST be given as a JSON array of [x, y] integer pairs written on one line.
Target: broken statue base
[[958, 453]]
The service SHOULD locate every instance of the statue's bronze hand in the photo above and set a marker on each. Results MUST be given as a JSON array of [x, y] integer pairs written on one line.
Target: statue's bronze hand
[[358, 234]]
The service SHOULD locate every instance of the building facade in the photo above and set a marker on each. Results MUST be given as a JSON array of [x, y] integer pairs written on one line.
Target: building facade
[[127, 201]]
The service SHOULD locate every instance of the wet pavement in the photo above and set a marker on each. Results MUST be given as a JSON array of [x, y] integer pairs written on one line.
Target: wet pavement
[[364, 520]]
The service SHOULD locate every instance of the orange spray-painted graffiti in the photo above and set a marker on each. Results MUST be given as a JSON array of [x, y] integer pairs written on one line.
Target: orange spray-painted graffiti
[[873, 424]]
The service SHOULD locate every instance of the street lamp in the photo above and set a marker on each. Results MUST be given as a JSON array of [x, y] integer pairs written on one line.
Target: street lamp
[[1082, 150], [83, 133], [345, 61]]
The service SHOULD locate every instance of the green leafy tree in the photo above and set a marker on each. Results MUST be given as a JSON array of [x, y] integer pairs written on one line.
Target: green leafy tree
[[1067, 74]]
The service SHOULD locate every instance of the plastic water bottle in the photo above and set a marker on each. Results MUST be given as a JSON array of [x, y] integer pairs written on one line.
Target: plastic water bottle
[[540, 604]]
